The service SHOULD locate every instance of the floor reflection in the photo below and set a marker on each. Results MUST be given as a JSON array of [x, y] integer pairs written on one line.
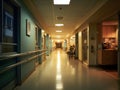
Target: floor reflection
[[61, 73], [59, 83]]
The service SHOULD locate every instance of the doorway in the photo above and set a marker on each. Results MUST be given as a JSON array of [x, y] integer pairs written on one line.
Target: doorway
[[84, 46], [58, 45]]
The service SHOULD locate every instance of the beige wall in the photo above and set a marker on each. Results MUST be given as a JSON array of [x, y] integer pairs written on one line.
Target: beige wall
[[80, 46], [91, 43]]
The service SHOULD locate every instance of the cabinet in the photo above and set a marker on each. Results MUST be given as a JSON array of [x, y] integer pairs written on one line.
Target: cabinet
[[107, 53], [109, 57]]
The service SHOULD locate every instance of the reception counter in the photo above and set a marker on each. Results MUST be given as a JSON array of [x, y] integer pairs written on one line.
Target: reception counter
[[109, 57]]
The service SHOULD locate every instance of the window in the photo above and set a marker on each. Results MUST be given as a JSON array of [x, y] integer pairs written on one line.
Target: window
[[8, 27]]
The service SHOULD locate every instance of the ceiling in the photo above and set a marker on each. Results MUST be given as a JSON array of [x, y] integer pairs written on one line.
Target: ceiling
[[72, 16]]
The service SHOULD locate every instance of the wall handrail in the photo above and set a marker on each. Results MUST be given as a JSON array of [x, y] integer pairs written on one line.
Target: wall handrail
[[21, 62], [3, 43], [3, 57]]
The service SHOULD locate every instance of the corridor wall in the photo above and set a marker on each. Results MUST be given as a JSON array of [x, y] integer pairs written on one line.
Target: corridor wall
[[91, 47], [27, 43]]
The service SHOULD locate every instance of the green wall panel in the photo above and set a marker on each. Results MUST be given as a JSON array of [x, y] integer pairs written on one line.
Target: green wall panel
[[27, 43]]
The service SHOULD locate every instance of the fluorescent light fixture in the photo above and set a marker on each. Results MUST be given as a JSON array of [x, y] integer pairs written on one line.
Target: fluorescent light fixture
[[58, 31], [60, 24], [43, 31], [61, 2]]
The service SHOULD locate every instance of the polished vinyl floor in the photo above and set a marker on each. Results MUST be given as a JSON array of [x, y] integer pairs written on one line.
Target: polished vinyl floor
[[59, 72]]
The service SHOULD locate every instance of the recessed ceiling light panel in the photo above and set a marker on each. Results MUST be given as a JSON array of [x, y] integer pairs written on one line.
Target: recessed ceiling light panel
[[61, 2], [60, 24], [58, 31]]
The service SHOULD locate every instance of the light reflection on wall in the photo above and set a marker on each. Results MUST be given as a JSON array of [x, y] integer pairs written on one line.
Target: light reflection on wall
[[59, 83]]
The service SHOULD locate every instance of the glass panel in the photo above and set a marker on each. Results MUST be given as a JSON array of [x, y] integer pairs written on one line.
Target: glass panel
[[8, 28]]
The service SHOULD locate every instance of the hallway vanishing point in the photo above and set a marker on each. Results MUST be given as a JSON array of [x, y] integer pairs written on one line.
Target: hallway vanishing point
[[59, 72]]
